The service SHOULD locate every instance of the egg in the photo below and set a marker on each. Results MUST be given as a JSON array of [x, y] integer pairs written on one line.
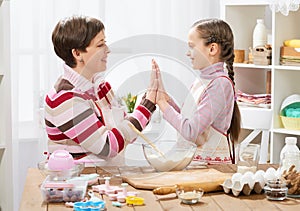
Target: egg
[[247, 179], [260, 172], [260, 179], [278, 173], [270, 174], [236, 177], [271, 170], [249, 173]]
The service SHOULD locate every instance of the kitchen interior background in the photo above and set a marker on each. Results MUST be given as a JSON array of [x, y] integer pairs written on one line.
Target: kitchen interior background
[[35, 67]]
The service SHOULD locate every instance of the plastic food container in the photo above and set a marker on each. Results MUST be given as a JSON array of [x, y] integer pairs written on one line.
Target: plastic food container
[[75, 171], [289, 122], [59, 191]]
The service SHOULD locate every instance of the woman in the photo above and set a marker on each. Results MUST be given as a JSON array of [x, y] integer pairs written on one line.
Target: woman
[[82, 115], [210, 116]]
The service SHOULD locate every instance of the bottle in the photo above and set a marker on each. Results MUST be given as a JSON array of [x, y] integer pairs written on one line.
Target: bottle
[[259, 34], [290, 154], [290, 146]]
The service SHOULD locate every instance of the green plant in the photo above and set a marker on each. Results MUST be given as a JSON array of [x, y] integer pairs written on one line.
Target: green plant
[[130, 101]]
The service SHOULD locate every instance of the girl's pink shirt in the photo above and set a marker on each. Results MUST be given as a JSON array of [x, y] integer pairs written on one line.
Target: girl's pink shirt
[[215, 108]]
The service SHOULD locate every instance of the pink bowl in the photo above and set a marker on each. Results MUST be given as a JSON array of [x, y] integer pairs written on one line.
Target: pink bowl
[[60, 160]]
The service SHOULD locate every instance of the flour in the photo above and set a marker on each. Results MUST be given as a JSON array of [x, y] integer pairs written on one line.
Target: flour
[[173, 162]]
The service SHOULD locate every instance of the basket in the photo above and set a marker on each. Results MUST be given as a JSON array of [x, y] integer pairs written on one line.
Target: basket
[[290, 123]]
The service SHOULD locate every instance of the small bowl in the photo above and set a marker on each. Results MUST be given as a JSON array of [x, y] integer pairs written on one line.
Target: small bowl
[[189, 195], [174, 156]]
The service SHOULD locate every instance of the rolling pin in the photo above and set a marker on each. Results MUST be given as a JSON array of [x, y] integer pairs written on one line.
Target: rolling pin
[[206, 186]]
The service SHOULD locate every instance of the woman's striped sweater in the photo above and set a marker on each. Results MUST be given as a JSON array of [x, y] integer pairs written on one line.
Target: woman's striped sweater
[[81, 117]]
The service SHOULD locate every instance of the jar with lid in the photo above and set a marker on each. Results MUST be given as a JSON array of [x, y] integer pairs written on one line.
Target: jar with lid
[[276, 190], [259, 34]]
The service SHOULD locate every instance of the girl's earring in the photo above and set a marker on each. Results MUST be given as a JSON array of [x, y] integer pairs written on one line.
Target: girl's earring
[[81, 60]]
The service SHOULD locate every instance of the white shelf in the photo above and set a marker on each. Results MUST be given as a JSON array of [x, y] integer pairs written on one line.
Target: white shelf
[[286, 131], [2, 146], [282, 67], [242, 65]]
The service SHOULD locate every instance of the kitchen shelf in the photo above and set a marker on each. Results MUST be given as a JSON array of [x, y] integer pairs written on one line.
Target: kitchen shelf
[[242, 65], [281, 67], [286, 131], [253, 79]]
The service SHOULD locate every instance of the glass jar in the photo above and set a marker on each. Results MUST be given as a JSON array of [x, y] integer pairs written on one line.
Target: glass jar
[[276, 190], [248, 157]]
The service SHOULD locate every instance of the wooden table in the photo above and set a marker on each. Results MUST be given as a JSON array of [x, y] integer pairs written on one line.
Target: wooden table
[[32, 198]]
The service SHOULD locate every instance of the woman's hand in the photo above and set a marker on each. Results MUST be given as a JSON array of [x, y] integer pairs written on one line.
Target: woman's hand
[[161, 95], [153, 87]]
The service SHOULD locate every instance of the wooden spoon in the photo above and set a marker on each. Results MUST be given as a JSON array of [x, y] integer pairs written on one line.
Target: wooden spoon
[[146, 139]]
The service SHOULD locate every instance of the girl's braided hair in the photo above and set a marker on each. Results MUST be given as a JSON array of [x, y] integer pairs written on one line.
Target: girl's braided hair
[[218, 31]]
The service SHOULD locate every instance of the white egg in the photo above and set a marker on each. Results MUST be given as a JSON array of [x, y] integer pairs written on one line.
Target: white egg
[[260, 172], [236, 177], [247, 179], [278, 173], [249, 173], [270, 176], [259, 178], [271, 170]]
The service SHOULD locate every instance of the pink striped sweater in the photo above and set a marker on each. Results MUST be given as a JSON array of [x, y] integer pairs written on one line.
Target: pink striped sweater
[[83, 117]]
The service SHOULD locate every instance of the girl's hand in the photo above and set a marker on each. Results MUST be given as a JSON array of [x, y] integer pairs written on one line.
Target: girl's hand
[[161, 94]]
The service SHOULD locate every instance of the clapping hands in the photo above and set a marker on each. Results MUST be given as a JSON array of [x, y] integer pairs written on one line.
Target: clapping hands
[[156, 91]]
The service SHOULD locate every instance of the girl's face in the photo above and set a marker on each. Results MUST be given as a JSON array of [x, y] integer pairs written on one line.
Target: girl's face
[[95, 57], [198, 52]]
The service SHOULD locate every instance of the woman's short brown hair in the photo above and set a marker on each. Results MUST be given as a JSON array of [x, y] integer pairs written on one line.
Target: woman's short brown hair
[[75, 32]]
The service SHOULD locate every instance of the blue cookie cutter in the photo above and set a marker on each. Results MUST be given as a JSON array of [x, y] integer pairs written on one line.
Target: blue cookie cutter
[[89, 206]]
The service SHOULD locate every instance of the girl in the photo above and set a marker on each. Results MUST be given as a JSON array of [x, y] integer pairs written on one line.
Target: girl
[[81, 113], [210, 116]]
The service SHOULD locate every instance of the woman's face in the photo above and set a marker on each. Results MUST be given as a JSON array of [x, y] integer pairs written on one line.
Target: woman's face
[[198, 52], [95, 57]]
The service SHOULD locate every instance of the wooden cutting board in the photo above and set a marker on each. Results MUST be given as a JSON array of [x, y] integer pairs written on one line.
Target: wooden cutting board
[[162, 179]]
